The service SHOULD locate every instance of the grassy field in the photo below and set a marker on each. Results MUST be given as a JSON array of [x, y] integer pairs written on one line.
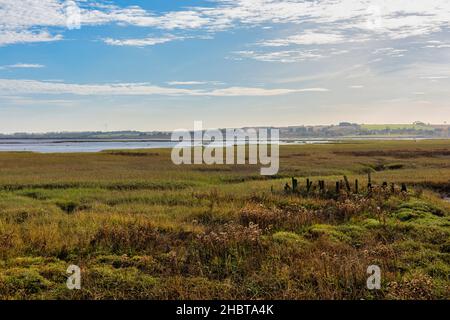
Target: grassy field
[[396, 126], [142, 228]]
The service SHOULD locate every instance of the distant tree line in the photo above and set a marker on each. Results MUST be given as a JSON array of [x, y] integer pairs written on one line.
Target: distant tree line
[[343, 129]]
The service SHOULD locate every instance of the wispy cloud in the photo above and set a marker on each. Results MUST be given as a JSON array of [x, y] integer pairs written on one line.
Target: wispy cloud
[[187, 83], [434, 78], [437, 44], [24, 36], [28, 20], [390, 52], [143, 42], [285, 56], [23, 66], [19, 100], [242, 91], [8, 87], [289, 56], [309, 37]]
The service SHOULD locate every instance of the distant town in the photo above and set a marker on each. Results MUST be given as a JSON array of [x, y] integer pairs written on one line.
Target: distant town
[[342, 130]]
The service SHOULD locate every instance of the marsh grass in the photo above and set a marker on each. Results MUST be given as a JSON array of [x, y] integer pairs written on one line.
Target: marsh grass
[[142, 228]]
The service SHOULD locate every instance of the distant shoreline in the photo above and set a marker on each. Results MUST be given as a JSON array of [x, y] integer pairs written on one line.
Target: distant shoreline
[[299, 139], [101, 145]]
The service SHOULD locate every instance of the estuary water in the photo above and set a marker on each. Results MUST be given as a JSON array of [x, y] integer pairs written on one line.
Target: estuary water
[[63, 146], [79, 145]]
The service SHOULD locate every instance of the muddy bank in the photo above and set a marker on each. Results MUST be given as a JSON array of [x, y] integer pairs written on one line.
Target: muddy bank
[[442, 188]]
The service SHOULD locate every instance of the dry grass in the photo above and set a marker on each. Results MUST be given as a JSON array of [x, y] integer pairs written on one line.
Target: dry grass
[[143, 228]]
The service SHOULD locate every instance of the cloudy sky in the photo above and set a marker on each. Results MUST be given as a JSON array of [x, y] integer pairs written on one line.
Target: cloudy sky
[[161, 64]]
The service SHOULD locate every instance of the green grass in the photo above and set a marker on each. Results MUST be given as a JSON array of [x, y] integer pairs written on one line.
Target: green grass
[[142, 228], [396, 126]]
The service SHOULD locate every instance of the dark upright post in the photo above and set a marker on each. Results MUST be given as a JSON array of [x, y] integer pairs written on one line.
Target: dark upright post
[[322, 185], [369, 183], [347, 184], [308, 184], [404, 189], [294, 184]]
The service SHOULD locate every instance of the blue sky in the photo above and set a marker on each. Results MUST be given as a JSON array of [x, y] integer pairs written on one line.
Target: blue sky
[[161, 64]]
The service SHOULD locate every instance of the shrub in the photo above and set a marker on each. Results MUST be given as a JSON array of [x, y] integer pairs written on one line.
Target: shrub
[[275, 218]]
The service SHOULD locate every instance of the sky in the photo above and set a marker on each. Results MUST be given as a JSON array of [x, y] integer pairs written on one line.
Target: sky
[[163, 64]]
